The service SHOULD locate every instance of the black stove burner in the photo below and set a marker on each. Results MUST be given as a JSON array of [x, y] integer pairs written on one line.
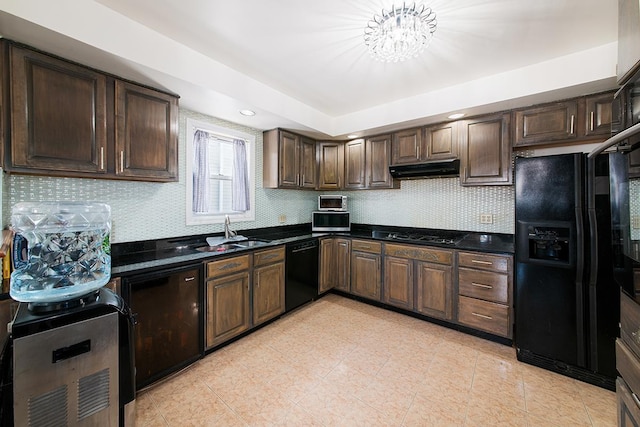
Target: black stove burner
[[428, 238]]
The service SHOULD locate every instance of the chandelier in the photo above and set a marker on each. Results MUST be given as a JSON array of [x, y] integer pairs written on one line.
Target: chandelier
[[400, 33]]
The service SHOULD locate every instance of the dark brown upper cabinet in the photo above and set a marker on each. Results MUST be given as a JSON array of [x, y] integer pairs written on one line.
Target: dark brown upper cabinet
[[62, 118], [377, 159], [406, 147], [441, 141], [628, 36], [146, 133], [547, 123], [367, 163], [485, 150], [355, 160], [289, 160], [58, 115], [575, 120], [598, 115], [330, 157]]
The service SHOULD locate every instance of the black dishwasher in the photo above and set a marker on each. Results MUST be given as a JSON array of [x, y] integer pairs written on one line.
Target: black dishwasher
[[168, 333], [301, 282]]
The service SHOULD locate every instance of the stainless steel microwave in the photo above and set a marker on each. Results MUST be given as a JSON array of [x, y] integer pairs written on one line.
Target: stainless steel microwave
[[332, 203], [330, 221]]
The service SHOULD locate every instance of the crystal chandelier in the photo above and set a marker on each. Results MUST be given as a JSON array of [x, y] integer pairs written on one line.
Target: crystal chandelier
[[400, 33]]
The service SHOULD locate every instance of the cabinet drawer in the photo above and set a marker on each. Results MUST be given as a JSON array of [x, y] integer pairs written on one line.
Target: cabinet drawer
[[628, 365], [630, 323], [227, 266], [484, 261], [366, 246], [484, 315], [268, 256], [486, 285], [419, 253]]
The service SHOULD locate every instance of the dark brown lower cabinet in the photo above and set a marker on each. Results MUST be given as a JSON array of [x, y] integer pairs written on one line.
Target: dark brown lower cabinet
[[268, 285], [227, 307], [366, 269], [434, 290], [242, 292], [398, 282], [419, 279]]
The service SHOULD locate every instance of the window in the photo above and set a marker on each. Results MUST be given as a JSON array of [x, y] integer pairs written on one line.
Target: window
[[219, 174]]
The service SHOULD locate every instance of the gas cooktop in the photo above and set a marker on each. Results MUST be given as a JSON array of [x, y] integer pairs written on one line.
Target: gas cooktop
[[446, 238]]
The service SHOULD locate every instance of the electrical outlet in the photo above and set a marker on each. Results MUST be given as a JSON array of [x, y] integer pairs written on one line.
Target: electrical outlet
[[486, 218], [635, 222], [282, 219]]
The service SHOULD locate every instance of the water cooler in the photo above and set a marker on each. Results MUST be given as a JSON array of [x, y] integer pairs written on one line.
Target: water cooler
[[69, 358]]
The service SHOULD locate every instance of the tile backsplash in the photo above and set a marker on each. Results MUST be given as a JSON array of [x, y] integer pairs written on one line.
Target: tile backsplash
[[142, 211]]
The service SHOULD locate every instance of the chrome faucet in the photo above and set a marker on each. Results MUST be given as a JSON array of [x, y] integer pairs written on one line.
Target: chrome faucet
[[227, 232]]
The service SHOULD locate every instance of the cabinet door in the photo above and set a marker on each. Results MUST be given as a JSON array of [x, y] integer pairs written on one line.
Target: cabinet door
[[434, 287], [628, 36], [398, 282], [58, 115], [406, 147], [289, 157], [307, 163], [327, 265], [354, 163], [227, 307], [330, 165], [441, 141], [486, 151], [365, 275], [628, 410], [146, 141], [342, 259], [378, 157], [547, 123], [598, 114], [268, 292]]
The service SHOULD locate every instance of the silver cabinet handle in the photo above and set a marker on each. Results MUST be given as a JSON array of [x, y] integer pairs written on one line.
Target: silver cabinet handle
[[572, 123], [592, 120], [121, 161], [101, 158], [418, 152], [476, 261], [189, 279], [482, 315], [635, 398], [480, 285]]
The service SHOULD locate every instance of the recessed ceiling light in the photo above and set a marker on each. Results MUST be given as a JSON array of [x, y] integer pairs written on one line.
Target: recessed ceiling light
[[353, 135], [247, 112], [456, 115]]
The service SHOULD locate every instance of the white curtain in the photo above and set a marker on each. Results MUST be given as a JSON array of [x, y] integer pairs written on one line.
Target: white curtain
[[240, 190], [201, 193]]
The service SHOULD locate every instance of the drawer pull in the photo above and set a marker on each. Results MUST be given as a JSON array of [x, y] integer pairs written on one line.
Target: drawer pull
[[270, 256], [635, 399], [189, 279], [482, 315], [480, 285], [477, 261], [230, 265]]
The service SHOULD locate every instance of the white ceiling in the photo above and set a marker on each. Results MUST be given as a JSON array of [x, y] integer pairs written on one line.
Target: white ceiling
[[302, 64]]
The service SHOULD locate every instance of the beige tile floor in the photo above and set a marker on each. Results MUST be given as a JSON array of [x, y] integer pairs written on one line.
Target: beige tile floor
[[338, 362]]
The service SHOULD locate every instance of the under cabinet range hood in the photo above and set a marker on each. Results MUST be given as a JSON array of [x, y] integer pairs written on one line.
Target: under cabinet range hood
[[443, 168]]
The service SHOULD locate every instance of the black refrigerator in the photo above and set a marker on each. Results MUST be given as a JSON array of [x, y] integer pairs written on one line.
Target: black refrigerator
[[566, 298]]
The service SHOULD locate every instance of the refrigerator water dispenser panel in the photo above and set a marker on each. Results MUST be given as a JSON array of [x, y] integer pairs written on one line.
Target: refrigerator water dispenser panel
[[549, 243]]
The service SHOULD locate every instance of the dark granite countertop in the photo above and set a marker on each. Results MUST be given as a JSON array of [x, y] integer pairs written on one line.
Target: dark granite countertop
[[138, 257]]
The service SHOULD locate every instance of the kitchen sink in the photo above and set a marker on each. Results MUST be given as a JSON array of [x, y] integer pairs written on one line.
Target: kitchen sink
[[242, 244]]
